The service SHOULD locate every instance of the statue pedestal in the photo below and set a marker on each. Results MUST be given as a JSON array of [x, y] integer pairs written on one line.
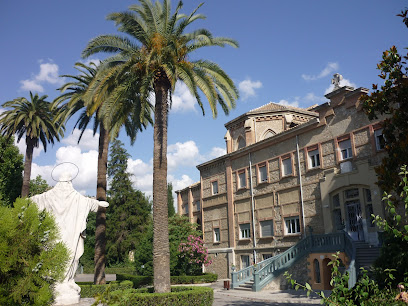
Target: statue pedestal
[[67, 293]]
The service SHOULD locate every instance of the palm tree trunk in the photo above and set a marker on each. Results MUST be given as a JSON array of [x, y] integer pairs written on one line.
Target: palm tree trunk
[[161, 252], [100, 231], [25, 190]]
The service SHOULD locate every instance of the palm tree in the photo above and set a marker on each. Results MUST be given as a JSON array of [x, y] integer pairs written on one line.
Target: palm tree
[[155, 57], [36, 119], [80, 97]]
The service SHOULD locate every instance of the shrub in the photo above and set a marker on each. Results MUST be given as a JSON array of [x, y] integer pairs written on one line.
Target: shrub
[[137, 280], [140, 281], [188, 296], [194, 279], [91, 290], [31, 258], [193, 254]]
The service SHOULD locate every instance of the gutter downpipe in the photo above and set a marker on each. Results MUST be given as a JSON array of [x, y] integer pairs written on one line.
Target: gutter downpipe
[[301, 187], [252, 204]]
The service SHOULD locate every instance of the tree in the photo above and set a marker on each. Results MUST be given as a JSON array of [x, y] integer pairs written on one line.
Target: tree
[[391, 100], [130, 209], [156, 57], [38, 186], [36, 119], [32, 257], [179, 231], [170, 200], [11, 169], [81, 96]]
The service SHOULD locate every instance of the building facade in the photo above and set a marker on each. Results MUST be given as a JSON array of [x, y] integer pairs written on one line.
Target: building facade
[[288, 172]]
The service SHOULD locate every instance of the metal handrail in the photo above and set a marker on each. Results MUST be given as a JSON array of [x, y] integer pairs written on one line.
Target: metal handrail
[[266, 270]]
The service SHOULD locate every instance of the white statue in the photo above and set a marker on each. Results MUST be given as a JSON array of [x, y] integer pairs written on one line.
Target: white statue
[[70, 210], [337, 78]]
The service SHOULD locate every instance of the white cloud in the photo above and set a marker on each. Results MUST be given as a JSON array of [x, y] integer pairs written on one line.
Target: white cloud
[[217, 152], [330, 68], [343, 82], [182, 154], [49, 73], [311, 97], [247, 88], [90, 60], [88, 140], [294, 103], [21, 145], [31, 85], [87, 163], [182, 99]]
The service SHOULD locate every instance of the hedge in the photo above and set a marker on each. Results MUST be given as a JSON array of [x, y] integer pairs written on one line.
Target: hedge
[[183, 296], [140, 281], [90, 290], [137, 280]]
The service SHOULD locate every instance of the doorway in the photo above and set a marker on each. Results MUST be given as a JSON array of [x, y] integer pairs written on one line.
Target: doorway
[[354, 220]]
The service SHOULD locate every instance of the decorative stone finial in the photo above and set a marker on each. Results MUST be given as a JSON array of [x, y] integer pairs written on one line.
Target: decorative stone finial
[[337, 77]]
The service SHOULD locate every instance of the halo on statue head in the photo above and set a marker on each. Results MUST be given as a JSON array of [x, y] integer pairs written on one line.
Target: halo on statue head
[[65, 176]]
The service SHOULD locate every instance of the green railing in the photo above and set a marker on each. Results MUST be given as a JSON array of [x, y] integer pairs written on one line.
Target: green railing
[[262, 273]]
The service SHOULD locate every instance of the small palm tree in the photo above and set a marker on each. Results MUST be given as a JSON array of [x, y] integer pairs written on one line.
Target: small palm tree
[[155, 57], [37, 120]]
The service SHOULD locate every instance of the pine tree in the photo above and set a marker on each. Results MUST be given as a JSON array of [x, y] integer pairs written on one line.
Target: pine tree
[[129, 211], [11, 171], [170, 200]]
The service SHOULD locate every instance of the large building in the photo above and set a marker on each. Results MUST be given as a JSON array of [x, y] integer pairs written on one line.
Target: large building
[[288, 172]]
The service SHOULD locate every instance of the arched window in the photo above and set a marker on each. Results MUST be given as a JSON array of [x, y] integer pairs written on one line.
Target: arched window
[[241, 143], [316, 268], [268, 133]]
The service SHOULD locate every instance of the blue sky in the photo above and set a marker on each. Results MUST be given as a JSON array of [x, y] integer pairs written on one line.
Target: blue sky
[[288, 52]]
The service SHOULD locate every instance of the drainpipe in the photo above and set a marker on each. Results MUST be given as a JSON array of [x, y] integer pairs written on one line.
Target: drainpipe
[[252, 203], [301, 187]]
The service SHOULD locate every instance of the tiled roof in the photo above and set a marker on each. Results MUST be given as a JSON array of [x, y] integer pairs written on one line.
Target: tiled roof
[[272, 107]]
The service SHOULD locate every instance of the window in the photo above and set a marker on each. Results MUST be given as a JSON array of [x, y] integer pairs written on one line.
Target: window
[[186, 209], [244, 261], [287, 166], [369, 207], [379, 139], [338, 220], [217, 237], [351, 193], [336, 201], [266, 228], [263, 173], [268, 133], [241, 179], [345, 149], [244, 231], [316, 266], [214, 187], [292, 225], [314, 158], [197, 205], [241, 143], [266, 256]]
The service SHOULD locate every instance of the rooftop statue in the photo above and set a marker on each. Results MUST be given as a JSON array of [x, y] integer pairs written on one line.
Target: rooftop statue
[[337, 77], [70, 210]]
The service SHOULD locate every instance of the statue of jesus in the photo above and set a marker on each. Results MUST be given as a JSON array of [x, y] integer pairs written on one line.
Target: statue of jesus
[[70, 210]]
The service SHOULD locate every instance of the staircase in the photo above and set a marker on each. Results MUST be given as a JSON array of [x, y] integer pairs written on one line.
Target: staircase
[[360, 254], [366, 254]]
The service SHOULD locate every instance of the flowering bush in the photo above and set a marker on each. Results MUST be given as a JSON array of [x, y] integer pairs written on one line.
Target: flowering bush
[[195, 254]]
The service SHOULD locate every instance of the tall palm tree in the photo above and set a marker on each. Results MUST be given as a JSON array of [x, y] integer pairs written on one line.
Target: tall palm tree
[[156, 56], [36, 119], [80, 97]]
